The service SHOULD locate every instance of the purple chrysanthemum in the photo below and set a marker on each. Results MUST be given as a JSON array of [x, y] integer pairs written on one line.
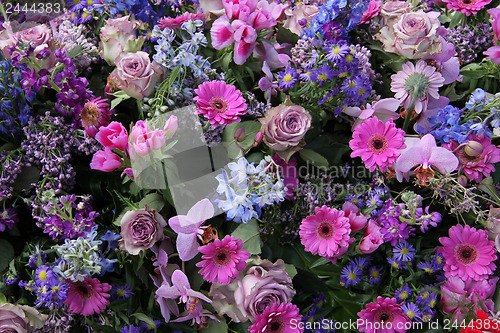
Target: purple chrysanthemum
[[287, 78]]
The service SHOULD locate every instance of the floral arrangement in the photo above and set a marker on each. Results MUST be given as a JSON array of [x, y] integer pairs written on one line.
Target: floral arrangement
[[250, 166]]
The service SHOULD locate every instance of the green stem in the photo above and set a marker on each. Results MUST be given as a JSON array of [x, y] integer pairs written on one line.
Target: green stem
[[409, 112]]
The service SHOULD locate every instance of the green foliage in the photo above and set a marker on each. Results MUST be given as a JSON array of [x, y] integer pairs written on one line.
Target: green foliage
[[249, 234]]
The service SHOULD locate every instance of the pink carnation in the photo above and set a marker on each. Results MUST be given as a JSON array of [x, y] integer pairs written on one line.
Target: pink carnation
[[325, 232], [468, 254], [377, 143], [176, 22]]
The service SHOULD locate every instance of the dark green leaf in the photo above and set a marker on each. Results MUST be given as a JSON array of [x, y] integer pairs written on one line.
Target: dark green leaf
[[249, 234], [314, 158], [75, 52], [7, 253]]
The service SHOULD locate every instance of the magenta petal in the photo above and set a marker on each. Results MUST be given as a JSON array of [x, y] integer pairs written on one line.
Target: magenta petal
[[242, 51], [187, 246]]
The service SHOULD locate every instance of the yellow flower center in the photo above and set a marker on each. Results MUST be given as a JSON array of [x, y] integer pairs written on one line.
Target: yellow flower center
[[404, 251], [322, 77], [288, 78], [349, 58], [336, 50], [403, 295], [42, 275], [375, 274], [352, 276], [121, 292], [410, 314]]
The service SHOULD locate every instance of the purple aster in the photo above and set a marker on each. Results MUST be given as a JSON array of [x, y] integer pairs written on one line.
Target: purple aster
[[42, 274], [374, 201], [362, 262], [355, 199], [412, 311], [53, 293], [306, 76], [121, 292], [350, 275], [38, 258], [427, 267], [375, 274], [397, 264], [404, 251], [131, 329], [426, 298], [322, 74], [337, 52], [403, 294], [8, 218], [438, 260], [149, 327], [287, 78]]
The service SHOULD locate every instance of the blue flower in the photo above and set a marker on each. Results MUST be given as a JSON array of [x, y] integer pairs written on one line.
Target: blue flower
[[404, 251], [350, 275], [412, 311], [287, 78], [403, 293]]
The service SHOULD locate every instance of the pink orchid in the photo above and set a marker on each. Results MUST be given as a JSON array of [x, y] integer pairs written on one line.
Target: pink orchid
[[445, 62], [188, 227], [426, 155], [493, 54], [495, 22], [384, 109], [180, 288], [267, 83]]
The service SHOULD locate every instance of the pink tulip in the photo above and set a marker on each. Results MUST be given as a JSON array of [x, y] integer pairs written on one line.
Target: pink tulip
[[105, 160], [373, 238], [113, 136]]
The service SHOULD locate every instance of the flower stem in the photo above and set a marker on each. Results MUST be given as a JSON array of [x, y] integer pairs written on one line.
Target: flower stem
[[409, 112]]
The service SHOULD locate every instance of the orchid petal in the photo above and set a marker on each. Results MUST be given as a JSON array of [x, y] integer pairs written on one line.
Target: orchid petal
[[187, 246], [443, 160], [409, 159], [201, 211]]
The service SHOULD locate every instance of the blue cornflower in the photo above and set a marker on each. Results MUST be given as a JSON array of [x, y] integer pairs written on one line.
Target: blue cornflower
[[403, 294], [412, 311], [322, 74], [287, 78], [375, 274], [404, 251], [350, 275]]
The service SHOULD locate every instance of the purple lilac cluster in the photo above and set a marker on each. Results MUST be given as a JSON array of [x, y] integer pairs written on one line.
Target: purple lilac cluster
[[68, 216], [48, 144], [8, 219], [470, 41], [12, 164], [14, 108]]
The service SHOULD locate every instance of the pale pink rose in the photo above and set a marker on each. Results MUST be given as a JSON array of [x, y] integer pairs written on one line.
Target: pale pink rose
[[113, 136], [413, 35], [137, 75], [211, 7], [356, 219], [19, 318], [117, 36], [371, 12], [300, 12], [105, 160], [373, 238], [392, 10], [140, 230]]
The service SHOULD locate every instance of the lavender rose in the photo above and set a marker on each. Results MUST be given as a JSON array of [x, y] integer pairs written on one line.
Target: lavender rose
[[141, 229], [392, 10], [117, 36], [136, 74], [285, 126], [264, 284], [13, 318], [414, 35]]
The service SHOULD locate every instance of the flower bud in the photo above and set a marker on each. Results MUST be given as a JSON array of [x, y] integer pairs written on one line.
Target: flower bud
[[462, 180], [473, 148], [239, 134], [258, 137]]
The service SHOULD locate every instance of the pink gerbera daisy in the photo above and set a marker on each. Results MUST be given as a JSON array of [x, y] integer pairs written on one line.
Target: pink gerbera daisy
[[176, 22], [87, 297], [220, 103], [419, 82], [377, 143], [325, 232], [279, 318], [95, 113], [383, 316], [476, 157], [223, 259], [466, 6], [468, 254]]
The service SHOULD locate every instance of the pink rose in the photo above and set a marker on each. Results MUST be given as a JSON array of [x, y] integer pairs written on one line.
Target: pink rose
[[19, 318], [105, 160], [113, 136], [136, 74], [373, 238], [356, 219], [285, 126], [140, 230], [117, 36], [264, 284], [392, 10]]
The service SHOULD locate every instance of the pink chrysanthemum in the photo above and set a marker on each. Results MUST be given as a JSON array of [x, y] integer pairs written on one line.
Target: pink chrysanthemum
[[223, 259], [468, 254], [220, 103], [466, 6], [279, 318], [377, 143], [383, 316], [176, 22], [419, 81], [95, 113], [325, 232], [478, 162], [87, 297]]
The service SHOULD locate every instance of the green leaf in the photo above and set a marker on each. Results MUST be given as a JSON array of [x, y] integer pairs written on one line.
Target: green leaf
[[291, 270], [215, 327], [7, 252], [456, 19], [75, 52], [314, 158], [152, 201], [249, 234], [251, 129], [145, 318], [28, 176]]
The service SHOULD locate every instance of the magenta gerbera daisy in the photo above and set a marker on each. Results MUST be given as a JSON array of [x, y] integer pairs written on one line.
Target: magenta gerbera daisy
[[468, 254], [95, 113], [377, 143], [325, 232], [385, 315], [87, 297], [466, 6], [223, 259], [279, 318], [419, 81], [220, 103], [476, 157]]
